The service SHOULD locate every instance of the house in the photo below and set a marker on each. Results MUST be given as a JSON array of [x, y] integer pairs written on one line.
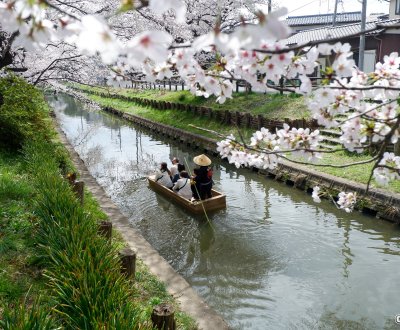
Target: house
[[381, 39], [306, 22]]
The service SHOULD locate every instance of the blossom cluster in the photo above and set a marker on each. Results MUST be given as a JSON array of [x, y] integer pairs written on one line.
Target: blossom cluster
[[267, 148], [388, 169], [346, 201]]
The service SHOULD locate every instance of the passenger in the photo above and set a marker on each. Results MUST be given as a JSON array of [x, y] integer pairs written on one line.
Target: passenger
[[181, 168], [163, 176], [203, 180], [193, 184], [174, 168], [182, 186]]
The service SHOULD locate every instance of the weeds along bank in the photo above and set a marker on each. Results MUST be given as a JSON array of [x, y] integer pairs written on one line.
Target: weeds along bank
[[57, 271]]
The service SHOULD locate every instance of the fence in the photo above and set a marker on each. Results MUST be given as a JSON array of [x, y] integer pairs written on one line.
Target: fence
[[240, 86]]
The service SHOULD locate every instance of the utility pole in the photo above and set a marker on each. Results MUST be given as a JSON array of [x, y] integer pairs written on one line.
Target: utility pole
[[362, 36], [335, 13]]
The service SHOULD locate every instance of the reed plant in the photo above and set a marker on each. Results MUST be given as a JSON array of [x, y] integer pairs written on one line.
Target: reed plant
[[82, 268], [36, 317]]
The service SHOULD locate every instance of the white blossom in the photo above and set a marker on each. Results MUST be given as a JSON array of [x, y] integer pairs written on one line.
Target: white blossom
[[315, 194], [347, 201], [161, 6]]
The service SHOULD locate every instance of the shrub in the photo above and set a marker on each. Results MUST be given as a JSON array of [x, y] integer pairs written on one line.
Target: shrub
[[23, 112]]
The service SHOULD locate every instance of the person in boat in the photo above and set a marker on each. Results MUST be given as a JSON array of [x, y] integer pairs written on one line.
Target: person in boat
[[174, 169], [203, 179], [163, 176], [181, 168], [182, 186]]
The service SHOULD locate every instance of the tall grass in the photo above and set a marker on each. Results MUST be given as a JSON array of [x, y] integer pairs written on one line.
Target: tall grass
[[34, 318], [82, 268]]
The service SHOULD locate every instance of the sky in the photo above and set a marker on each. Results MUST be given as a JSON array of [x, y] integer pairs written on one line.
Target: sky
[[312, 7]]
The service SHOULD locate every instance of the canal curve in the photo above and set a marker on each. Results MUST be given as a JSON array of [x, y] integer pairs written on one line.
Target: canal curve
[[273, 259]]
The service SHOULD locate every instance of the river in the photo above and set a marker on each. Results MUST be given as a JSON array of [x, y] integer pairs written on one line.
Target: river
[[273, 259]]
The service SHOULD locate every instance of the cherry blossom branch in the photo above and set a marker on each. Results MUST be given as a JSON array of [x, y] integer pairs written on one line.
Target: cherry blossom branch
[[367, 111], [382, 150], [51, 64], [267, 151], [49, 4], [71, 6]]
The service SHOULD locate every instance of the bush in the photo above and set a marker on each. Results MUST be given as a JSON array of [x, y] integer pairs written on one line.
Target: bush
[[23, 113]]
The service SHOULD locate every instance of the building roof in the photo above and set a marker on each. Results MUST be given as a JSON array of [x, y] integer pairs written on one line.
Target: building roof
[[341, 31], [324, 19]]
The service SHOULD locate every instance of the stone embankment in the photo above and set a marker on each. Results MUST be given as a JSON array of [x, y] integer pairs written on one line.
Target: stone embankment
[[379, 202]]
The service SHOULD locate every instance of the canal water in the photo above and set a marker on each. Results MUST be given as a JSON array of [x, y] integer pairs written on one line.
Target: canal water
[[272, 260]]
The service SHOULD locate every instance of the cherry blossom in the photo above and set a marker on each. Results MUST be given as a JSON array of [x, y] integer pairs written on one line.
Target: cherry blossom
[[388, 169], [96, 37], [315, 194], [160, 7], [149, 44], [347, 201]]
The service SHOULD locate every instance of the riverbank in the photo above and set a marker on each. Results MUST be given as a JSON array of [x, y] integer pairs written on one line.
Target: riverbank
[[59, 273], [384, 203]]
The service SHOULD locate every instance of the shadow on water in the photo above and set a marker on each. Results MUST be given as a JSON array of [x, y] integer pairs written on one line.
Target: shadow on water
[[272, 259]]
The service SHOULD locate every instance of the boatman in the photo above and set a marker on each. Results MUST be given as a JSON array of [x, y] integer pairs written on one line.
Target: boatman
[[203, 180]]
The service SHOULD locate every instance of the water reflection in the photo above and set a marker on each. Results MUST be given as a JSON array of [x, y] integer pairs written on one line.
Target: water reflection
[[272, 259]]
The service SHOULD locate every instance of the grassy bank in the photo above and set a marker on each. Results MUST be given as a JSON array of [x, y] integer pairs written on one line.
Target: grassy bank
[[271, 106], [57, 272], [182, 119]]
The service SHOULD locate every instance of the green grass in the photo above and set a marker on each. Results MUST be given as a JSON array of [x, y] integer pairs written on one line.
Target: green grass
[[271, 106], [18, 274], [179, 119], [357, 173]]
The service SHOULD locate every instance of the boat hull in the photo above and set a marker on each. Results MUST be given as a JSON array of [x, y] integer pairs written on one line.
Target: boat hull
[[216, 202]]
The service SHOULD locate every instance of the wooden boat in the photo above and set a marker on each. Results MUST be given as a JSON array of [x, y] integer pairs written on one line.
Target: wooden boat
[[216, 202]]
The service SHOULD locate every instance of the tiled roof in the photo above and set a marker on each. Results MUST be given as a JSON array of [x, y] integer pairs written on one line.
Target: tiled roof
[[333, 32], [324, 19]]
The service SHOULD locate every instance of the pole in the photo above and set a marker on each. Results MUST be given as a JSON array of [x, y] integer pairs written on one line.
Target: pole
[[335, 13], [362, 36], [269, 6]]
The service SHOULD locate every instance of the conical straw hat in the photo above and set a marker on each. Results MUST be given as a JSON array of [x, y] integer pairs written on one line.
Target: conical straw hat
[[202, 160]]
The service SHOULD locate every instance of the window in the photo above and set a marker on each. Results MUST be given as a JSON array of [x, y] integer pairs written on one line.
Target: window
[[397, 9]]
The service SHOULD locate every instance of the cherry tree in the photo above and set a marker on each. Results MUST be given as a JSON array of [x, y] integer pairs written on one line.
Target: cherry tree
[[254, 50]]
